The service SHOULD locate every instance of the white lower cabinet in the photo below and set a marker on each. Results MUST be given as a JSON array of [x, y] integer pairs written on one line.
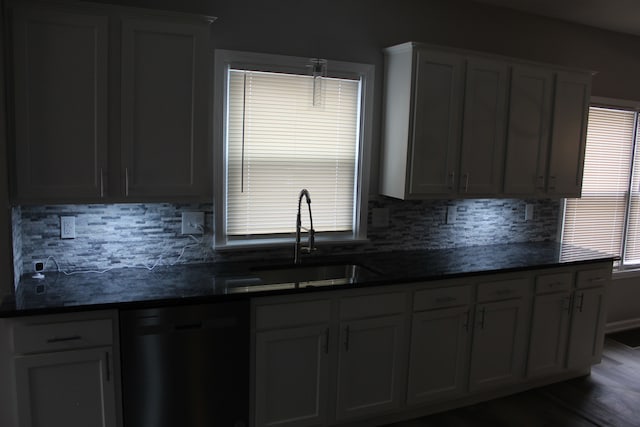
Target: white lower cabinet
[[66, 370], [291, 376], [370, 366], [586, 336], [498, 346], [438, 371], [550, 319], [549, 332], [69, 388]]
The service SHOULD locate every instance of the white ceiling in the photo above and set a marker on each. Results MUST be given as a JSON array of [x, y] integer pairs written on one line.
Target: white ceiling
[[616, 15]]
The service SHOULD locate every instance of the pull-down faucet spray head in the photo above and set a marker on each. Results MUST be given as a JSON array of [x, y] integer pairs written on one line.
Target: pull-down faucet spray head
[[311, 232]]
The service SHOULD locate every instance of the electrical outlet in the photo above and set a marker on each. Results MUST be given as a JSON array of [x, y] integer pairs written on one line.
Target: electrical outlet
[[67, 227], [192, 222], [451, 214], [528, 212]]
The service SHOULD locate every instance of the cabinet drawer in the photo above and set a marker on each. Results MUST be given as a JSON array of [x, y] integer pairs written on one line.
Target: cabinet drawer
[[503, 289], [592, 278], [453, 296], [372, 305], [553, 282], [293, 314], [62, 336]]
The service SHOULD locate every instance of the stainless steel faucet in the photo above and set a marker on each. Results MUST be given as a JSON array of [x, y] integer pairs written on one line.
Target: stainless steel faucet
[[311, 232]]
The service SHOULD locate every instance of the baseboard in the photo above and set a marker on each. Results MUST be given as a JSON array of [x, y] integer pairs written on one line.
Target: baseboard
[[622, 325]]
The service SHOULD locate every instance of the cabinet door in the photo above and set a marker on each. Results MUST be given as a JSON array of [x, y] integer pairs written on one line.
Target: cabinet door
[[70, 388], [60, 61], [497, 352], [586, 336], [436, 123], [165, 93], [528, 130], [371, 366], [291, 376], [568, 137], [483, 138], [438, 357], [549, 331]]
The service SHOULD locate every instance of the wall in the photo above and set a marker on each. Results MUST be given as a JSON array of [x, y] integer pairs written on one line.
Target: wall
[[6, 271], [16, 233], [145, 235]]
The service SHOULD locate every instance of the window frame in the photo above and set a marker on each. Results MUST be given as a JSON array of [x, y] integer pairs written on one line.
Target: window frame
[[632, 106], [225, 59]]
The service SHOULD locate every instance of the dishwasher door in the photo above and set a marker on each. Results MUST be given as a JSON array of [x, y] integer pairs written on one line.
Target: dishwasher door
[[186, 366]]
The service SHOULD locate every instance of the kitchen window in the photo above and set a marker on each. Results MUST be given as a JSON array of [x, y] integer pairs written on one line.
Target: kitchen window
[[607, 216], [290, 123]]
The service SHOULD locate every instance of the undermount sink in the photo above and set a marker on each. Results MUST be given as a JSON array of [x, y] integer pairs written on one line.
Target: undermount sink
[[294, 276], [313, 275]]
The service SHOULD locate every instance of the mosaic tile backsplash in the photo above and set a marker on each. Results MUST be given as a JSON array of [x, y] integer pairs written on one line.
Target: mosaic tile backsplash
[[144, 235]]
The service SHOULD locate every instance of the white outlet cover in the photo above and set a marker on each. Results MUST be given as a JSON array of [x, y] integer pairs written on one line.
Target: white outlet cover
[[192, 222], [451, 214], [528, 212], [67, 227]]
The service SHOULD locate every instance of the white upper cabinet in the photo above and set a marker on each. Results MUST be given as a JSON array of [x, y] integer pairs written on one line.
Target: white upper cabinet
[[466, 124], [60, 72], [528, 133], [568, 134], [111, 104], [436, 134], [164, 108], [483, 132]]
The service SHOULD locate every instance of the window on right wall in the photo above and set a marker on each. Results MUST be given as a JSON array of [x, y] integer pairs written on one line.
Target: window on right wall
[[607, 216]]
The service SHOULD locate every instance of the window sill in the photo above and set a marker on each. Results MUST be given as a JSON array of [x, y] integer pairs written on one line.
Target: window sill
[[242, 245], [625, 274]]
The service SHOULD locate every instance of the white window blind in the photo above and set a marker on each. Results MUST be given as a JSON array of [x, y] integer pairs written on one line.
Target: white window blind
[[597, 220], [279, 142], [632, 241]]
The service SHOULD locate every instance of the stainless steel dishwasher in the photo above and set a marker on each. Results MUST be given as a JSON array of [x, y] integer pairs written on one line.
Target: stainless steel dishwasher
[[186, 366]]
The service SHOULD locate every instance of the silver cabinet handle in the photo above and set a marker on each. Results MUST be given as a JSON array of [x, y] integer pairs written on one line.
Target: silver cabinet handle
[[126, 182], [64, 339], [581, 303], [108, 362], [101, 183], [466, 182], [482, 314]]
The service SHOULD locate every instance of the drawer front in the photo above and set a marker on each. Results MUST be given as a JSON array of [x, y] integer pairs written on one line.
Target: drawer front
[[553, 282], [372, 305], [453, 296], [593, 278], [503, 289], [40, 338], [293, 314]]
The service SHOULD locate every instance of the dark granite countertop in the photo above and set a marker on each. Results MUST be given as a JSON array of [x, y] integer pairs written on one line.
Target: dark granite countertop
[[187, 284]]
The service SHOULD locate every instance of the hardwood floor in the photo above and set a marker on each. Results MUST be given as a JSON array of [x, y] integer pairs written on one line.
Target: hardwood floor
[[610, 396]]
